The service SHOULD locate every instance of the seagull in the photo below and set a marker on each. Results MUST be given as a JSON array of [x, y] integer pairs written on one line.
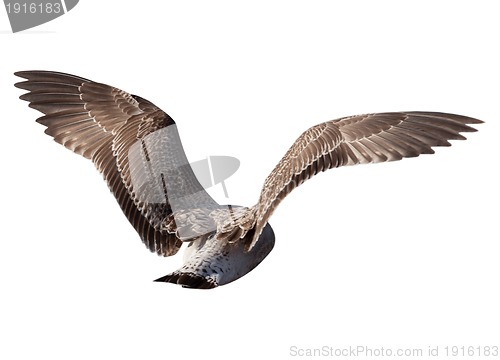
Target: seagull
[[137, 148]]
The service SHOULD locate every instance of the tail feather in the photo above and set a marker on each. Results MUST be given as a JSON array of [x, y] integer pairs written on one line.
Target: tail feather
[[189, 280]]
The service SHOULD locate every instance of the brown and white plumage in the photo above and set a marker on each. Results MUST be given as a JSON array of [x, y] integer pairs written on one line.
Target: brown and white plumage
[[361, 139], [100, 122], [105, 124]]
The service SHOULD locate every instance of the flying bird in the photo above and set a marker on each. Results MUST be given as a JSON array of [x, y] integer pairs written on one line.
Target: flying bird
[[136, 147]]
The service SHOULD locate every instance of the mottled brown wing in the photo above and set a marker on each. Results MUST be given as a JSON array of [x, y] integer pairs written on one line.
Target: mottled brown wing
[[361, 139], [101, 122]]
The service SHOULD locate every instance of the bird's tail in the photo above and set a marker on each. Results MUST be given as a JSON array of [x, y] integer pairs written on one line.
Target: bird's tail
[[189, 280]]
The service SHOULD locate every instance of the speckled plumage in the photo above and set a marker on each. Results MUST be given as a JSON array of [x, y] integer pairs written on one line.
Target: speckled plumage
[[131, 142]]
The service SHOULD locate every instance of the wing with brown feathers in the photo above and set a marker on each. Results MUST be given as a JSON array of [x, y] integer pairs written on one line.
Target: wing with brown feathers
[[102, 123], [362, 139]]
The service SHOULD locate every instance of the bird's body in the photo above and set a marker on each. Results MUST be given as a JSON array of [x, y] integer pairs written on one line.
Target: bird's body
[[210, 262], [137, 148]]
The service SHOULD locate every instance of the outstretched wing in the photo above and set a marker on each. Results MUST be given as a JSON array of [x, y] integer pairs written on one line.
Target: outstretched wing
[[128, 139], [361, 139]]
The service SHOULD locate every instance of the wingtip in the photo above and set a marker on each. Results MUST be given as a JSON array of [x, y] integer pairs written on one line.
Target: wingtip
[[22, 75], [25, 74], [25, 97], [476, 121]]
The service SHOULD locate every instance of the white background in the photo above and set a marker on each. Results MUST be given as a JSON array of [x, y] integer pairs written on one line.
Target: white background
[[393, 255]]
